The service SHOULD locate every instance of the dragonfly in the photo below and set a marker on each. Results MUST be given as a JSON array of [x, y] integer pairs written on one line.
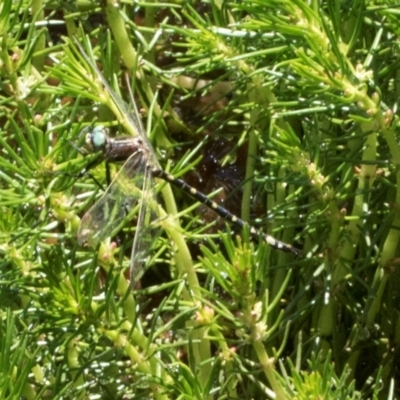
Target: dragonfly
[[134, 185]]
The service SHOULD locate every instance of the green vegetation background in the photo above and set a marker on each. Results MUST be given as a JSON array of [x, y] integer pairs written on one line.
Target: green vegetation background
[[308, 92]]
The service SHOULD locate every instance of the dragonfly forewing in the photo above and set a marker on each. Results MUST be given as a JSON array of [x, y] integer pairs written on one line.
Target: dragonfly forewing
[[147, 229], [130, 113], [124, 192]]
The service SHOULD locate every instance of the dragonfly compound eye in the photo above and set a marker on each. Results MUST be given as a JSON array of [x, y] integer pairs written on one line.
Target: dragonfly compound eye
[[97, 138]]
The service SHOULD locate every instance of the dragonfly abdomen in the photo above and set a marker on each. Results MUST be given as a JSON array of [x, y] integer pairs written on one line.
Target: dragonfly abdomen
[[223, 212]]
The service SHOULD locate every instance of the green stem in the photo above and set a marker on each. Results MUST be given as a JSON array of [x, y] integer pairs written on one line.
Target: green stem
[[146, 366], [366, 180], [392, 240], [38, 12], [267, 365], [131, 60]]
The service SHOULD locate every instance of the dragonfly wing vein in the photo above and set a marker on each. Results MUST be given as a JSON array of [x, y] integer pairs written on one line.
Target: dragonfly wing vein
[[124, 192], [146, 230]]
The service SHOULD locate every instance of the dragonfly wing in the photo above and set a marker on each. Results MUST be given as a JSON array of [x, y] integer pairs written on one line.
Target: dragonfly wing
[[131, 115], [124, 192], [146, 231]]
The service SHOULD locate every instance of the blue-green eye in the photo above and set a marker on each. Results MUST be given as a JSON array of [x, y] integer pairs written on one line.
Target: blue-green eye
[[97, 138]]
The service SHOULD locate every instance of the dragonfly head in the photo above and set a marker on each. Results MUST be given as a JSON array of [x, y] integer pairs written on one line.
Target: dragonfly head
[[97, 139]]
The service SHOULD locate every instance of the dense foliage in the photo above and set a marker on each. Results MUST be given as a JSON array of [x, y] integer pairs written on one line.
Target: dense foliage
[[291, 108]]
